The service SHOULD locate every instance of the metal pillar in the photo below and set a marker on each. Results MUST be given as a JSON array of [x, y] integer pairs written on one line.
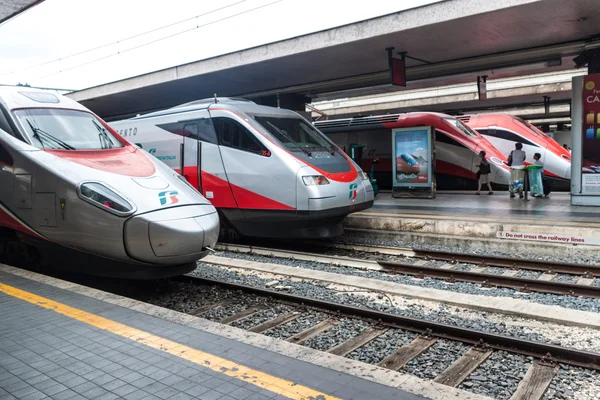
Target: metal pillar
[[577, 141], [593, 57]]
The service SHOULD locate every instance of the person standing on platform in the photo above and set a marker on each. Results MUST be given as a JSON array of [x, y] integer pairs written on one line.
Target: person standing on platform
[[516, 161], [484, 173], [537, 160]]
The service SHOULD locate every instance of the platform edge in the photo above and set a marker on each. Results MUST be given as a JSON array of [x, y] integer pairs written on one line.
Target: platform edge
[[372, 373]]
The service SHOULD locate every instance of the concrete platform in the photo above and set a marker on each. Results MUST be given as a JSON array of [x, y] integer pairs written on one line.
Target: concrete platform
[[495, 222], [60, 340]]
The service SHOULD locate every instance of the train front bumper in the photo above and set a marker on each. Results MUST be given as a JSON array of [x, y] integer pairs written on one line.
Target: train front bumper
[[175, 235]]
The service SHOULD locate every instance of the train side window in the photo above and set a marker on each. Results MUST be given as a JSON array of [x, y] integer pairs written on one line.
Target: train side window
[[441, 137], [190, 130], [513, 137], [200, 129], [231, 133]]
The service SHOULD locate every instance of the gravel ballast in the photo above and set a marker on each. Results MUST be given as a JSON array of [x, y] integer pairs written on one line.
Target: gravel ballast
[[346, 329], [298, 325], [320, 291], [382, 346], [436, 359], [577, 303], [498, 376], [262, 316], [574, 383]]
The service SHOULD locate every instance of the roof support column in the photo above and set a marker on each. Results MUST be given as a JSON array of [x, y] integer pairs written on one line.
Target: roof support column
[[593, 57]]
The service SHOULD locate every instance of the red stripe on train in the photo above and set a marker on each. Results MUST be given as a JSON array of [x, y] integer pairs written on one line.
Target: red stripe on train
[[11, 222], [227, 195]]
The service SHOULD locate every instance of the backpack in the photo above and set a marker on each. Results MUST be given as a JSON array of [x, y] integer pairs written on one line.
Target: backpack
[[484, 168]]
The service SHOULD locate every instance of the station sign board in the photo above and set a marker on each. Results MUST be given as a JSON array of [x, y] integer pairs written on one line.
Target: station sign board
[[590, 180], [413, 153], [549, 237], [398, 72]]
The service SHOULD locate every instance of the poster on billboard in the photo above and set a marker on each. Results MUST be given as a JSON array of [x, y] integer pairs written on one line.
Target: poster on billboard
[[590, 166], [413, 165]]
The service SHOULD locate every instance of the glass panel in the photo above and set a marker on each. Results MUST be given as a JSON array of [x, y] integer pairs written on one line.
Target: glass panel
[[530, 127], [231, 133], [60, 129], [295, 134], [464, 128]]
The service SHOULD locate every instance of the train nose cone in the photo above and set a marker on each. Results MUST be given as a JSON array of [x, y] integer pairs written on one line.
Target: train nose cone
[[172, 236]]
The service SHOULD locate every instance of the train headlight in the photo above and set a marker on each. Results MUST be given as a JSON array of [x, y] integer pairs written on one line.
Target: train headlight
[[315, 180], [363, 176], [107, 199]]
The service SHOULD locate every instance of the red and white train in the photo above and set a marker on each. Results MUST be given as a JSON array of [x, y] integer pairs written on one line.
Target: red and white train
[[267, 170], [76, 195], [504, 130], [457, 146]]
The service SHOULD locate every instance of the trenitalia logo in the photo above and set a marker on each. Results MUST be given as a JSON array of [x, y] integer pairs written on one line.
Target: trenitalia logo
[[352, 194], [172, 199], [152, 151]]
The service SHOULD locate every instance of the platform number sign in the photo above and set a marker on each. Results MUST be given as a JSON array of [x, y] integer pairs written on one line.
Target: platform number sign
[[352, 194]]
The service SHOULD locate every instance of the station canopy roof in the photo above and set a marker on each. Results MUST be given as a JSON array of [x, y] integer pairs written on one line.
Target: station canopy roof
[[12, 8], [457, 40]]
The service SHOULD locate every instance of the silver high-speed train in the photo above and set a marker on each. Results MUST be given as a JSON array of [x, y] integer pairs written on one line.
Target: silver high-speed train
[[267, 170], [75, 192]]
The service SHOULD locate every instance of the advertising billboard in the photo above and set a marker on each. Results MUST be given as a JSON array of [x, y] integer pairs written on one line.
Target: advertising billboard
[[412, 157], [590, 180]]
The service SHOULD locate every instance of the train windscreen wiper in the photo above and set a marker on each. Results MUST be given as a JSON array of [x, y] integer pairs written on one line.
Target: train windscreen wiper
[[105, 141], [288, 137], [48, 136]]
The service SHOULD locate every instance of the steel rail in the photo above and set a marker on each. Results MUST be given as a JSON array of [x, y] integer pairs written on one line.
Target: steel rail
[[540, 350], [522, 284], [452, 275], [550, 267]]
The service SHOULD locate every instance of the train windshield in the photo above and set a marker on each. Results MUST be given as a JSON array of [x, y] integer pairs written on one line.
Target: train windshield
[[59, 129], [465, 129], [532, 128], [295, 134]]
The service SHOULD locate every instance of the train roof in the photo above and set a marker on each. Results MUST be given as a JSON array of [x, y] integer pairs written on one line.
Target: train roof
[[230, 103], [27, 97], [374, 120]]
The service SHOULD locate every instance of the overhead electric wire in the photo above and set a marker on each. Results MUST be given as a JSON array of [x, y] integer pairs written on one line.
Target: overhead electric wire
[[121, 40], [158, 40]]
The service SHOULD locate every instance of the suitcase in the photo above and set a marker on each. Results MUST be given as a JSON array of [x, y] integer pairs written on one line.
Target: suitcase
[[546, 185]]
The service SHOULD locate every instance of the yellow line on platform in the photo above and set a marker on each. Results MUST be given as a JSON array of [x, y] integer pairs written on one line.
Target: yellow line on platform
[[503, 220], [215, 363]]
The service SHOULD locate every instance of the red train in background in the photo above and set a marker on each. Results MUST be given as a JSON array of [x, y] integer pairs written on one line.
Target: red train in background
[[457, 147]]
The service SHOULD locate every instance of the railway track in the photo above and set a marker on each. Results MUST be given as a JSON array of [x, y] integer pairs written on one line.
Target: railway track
[[478, 273], [482, 345], [549, 267]]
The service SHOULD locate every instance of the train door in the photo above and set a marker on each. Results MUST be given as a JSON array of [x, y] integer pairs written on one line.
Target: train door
[[190, 155], [202, 163], [259, 179]]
